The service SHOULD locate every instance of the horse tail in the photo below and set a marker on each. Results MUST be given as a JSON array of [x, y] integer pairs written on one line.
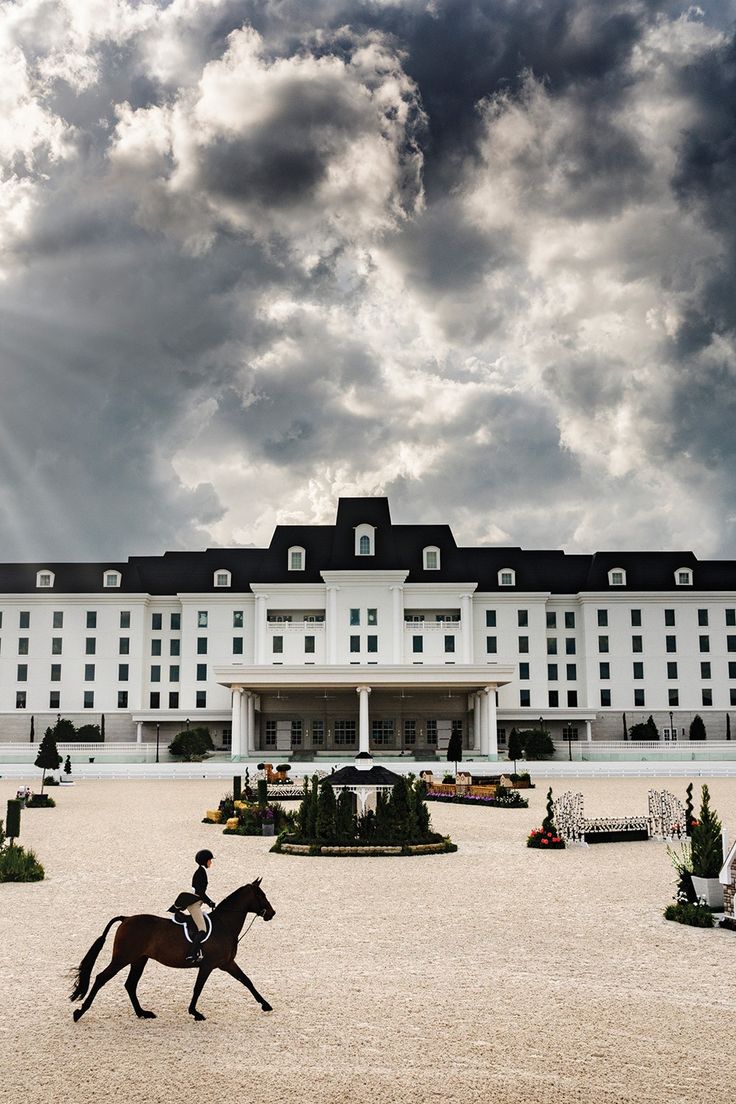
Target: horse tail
[[84, 972]]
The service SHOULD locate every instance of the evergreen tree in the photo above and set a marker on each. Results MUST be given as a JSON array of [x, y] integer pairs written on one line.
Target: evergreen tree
[[652, 728], [548, 824], [382, 818], [313, 805], [68, 765], [344, 827], [48, 757], [626, 732], [728, 726], [689, 809], [697, 728], [707, 842], [399, 810], [515, 745], [326, 814], [64, 731], [455, 748]]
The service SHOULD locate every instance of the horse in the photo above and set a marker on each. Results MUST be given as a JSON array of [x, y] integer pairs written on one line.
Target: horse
[[142, 937]]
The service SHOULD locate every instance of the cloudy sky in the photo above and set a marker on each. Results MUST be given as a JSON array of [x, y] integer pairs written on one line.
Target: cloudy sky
[[477, 255]]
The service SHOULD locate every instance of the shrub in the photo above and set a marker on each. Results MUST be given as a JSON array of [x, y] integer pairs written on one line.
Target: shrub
[[534, 743], [88, 734], [448, 779], [697, 728], [191, 743], [697, 916], [545, 841], [41, 801], [19, 865], [706, 841]]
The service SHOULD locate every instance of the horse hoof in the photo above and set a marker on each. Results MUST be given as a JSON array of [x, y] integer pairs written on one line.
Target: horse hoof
[[198, 1017], [76, 1014], [266, 1007], [144, 1015]]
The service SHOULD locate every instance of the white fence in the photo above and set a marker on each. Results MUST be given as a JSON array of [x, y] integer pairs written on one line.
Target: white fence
[[647, 750]]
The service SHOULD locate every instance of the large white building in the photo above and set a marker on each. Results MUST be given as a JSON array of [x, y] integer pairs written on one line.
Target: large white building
[[368, 635]]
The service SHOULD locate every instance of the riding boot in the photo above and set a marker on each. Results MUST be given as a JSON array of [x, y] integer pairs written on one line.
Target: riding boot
[[195, 951]]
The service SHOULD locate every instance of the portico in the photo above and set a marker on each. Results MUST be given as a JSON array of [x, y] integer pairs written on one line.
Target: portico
[[347, 708]]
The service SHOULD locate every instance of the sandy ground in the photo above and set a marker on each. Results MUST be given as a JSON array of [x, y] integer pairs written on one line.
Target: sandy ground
[[498, 973]]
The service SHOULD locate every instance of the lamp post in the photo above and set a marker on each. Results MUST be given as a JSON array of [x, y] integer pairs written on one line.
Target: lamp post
[[186, 724], [158, 726]]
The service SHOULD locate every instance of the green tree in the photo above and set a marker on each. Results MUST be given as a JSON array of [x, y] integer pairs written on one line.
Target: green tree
[[706, 842], [88, 734], [515, 746], [64, 731], [640, 731], [326, 813], [548, 824], [652, 728], [697, 728], [537, 743], [344, 825], [48, 757], [455, 748], [191, 744]]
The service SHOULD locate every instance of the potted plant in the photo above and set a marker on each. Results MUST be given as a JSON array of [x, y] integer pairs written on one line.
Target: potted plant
[[267, 822], [706, 844]]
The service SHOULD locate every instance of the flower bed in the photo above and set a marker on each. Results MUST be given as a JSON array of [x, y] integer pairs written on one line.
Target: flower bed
[[444, 847], [503, 800], [548, 841]]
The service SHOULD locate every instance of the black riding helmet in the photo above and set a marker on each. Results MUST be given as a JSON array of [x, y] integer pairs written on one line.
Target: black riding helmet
[[203, 857]]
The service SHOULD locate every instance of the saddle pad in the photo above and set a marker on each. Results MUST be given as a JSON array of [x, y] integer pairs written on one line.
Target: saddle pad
[[185, 925]]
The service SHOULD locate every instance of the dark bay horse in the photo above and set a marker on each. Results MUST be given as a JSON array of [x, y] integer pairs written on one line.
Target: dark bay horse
[[142, 937]]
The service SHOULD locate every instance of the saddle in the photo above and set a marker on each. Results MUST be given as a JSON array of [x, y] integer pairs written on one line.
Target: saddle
[[184, 920]]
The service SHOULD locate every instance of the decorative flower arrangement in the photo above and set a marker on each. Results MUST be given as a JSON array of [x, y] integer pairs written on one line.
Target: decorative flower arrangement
[[267, 815], [549, 840]]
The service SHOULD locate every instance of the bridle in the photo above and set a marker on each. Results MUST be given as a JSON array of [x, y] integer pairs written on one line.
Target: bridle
[[262, 913]]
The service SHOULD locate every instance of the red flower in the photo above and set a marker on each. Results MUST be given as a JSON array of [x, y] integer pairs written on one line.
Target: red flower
[[545, 841], [556, 840]]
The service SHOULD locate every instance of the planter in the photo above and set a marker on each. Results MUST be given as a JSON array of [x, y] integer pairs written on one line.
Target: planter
[[709, 890], [267, 830]]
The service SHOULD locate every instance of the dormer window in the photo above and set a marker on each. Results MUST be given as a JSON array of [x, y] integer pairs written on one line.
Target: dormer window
[[617, 577], [365, 540], [111, 579], [297, 559], [44, 579], [684, 576], [507, 577], [223, 579], [431, 559]]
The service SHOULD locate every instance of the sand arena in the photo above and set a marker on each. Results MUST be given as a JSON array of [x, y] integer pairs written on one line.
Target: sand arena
[[498, 973]]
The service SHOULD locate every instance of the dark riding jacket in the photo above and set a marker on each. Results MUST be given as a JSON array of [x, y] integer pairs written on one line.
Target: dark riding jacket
[[199, 885]]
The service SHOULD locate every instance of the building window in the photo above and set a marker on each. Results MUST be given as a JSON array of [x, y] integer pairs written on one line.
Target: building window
[[201, 645], [704, 642], [605, 697], [417, 644], [673, 696], [671, 670], [91, 619], [154, 699], [551, 645], [175, 647], [173, 672], [637, 644], [431, 559], [572, 699], [707, 695], [553, 697], [156, 646], [732, 695], [355, 617], [602, 619], [669, 617], [522, 618], [122, 672], [56, 672], [639, 699], [732, 670], [731, 616], [491, 645], [731, 643], [570, 646], [318, 733], [523, 645], [344, 732], [636, 618], [705, 671], [44, 579], [89, 672], [684, 576], [364, 540], [278, 645], [202, 619], [269, 734], [24, 619], [90, 645], [490, 619], [57, 620], [155, 672], [111, 579], [22, 645], [201, 699], [56, 645], [449, 643], [124, 645], [617, 577], [125, 619], [156, 622], [638, 670], [372, 616], [238, 645], [604, 670], [22, 672], [670, 643], [122, 699], [569, 732], [524, 671], [309, 644], [175, 622], [410, 732], [382, 731], [372, 643], [569, 620], [431, 733], [702, 617], [296, 733], [551, 620], [173, 699], [572, 672], [297, 559], [524, 698], [506, 577], [20, 699], [552, 672], [54, 699], [222, 579], [89, 699]]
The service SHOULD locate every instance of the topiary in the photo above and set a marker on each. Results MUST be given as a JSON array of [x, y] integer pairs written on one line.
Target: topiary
[[706, 842]]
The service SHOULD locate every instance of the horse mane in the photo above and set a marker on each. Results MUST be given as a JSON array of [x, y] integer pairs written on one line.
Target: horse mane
[[230, 902]]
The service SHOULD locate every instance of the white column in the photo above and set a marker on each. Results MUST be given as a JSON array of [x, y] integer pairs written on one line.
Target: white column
[[139, 732], [244, 733], [476, 722], [588, 731], [251, 724], [331, 628], [492, 738], [364, 719], [260, 642], [483, 722], [397, 597], [466, 626], [235, 723]]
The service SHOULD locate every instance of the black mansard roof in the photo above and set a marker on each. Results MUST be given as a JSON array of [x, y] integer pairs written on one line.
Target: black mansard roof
[[397, 548]]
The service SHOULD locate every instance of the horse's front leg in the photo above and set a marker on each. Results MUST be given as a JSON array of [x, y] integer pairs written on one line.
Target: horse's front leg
[[234, 970], [204, 972]]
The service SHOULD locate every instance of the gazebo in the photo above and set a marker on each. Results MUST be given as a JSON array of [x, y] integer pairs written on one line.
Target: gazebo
[[363, 779]]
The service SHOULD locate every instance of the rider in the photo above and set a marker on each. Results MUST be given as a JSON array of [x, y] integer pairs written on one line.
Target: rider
[[192, 902]]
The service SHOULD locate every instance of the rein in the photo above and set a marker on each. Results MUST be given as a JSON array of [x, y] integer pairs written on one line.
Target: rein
[[255, 916]]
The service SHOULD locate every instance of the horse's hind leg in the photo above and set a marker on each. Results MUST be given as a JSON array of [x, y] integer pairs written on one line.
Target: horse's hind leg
[[202, 975], [131, 987], [102, 979], [234, 970]]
